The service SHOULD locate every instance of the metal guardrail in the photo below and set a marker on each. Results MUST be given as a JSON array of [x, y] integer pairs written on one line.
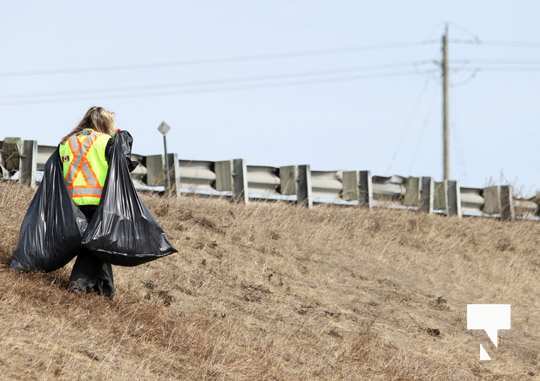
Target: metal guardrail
[[197, 176], [44, 152], [263, 181], [327, 185], [472, 200], [526, 208], [390, 188], [232, 178]]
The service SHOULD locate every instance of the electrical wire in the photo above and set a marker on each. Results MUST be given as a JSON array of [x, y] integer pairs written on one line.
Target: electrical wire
[[221, 89], [460, 151], [511, 70], [406, 127], [474, 37], [495, 43], [472, 75], [224, 81], [511, 44], [495, 61], [231, 59], [476, 66], [479, 69], [417, 149]]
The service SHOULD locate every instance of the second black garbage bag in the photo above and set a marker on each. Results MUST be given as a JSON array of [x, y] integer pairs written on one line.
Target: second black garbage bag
[[122, 231]]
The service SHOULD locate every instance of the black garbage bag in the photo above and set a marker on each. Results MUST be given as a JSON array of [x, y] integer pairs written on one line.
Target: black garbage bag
[[123, 231], [52, 228]]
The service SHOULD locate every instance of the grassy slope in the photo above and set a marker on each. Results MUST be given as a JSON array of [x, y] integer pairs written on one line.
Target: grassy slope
[[279, 292]]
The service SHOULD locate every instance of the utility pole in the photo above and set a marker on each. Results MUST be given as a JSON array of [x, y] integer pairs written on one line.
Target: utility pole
[[445, 127]]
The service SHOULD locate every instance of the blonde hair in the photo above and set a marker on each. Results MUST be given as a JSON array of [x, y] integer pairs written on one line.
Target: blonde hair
[[96, 118]]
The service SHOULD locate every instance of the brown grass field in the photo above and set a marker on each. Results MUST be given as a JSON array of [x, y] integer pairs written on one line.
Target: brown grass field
[[271, 291]]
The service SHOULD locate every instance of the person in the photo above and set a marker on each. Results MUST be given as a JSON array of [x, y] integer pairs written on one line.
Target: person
[[85, 155]]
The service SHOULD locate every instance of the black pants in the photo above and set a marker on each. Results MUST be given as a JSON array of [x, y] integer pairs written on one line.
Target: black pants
[[90, 274]]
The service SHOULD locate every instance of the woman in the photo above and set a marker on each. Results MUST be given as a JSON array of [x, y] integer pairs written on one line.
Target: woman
[[85, 154]]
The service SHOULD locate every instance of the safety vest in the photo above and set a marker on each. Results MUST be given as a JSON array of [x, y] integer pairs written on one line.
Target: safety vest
[[85, 166]]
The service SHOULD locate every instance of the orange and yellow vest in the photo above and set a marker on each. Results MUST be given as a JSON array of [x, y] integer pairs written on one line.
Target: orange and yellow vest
[[85, 166]]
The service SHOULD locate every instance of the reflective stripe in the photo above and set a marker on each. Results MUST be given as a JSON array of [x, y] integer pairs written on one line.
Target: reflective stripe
[[80, 163], [78, 156], [88, 174], [85, 168], [70, 177], [85, 192], [79, 192]]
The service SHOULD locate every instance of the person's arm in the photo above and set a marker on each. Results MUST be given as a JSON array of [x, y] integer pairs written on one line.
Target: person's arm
[[127, 150]]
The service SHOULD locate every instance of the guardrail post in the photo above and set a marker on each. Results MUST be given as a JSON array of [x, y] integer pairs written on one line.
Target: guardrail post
[[426, 197], [365, 189], [154, 170], [440, 200], [351, 185], [492, 200], [224, 175], [174, 173], [239, 184], [288, 176], [28, 163], [303, 189], [412, 192], [507, 203], [453, 197]]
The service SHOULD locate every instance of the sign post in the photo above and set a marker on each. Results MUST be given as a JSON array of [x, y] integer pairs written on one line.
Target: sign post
[[164, 128]]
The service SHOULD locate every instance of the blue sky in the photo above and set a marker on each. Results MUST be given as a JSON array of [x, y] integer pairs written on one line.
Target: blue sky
[[342, 117]]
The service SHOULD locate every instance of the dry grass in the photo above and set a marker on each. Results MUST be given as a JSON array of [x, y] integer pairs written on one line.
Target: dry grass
[[276, 292]]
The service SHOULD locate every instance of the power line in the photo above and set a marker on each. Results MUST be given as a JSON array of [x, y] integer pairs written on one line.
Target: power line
[[231, 80], [232, 59], [406, 127], [474, 37], [476, 66], [222, 89], [497, 69], [460, 151], [495, 61], [511, 70], [511, 44], [420, 138], [472, 75], [496, 43]]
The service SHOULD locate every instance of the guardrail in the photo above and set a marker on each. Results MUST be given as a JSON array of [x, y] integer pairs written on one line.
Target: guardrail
[[23, 160]]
